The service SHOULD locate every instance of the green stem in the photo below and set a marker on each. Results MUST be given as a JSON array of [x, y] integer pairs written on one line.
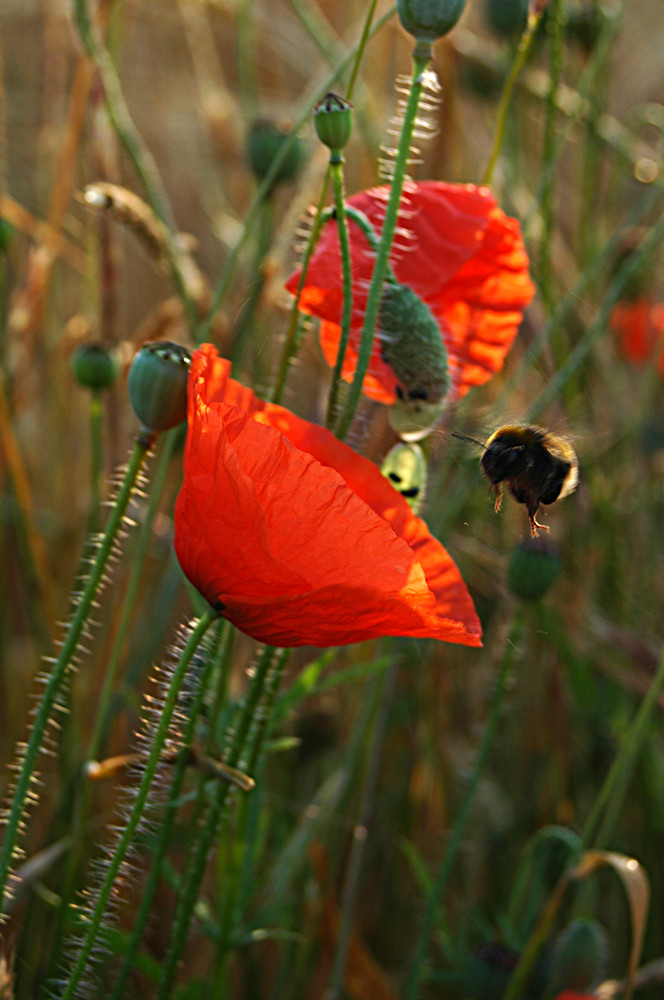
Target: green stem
[[421, 58], [520, 59], [555, 27], [292, 338], [96, 459], [413, 982], [337, 173], [96, 915], [138, 153], [44, 715], [165, 830], [193, 876], [103, 714], [612, 792]]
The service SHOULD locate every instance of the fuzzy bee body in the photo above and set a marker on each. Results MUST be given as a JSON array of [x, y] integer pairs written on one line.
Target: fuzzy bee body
[[539, 467]]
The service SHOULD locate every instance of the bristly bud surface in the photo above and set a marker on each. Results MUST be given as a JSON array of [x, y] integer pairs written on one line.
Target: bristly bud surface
[[428, 20], [158, 384], [333, 119]]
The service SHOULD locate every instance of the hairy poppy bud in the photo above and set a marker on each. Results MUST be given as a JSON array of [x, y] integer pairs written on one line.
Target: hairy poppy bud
[[265, 141], [428, 20], [579, 956], [158, 384], [533, 568], [411, 344], [94, 366], [406, 468], [333, 118]]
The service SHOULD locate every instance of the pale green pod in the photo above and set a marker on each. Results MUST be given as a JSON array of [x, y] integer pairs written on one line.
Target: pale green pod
[[406, 468]]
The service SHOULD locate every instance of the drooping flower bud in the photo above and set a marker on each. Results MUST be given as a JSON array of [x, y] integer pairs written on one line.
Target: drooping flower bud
[[333, 119], [412, 345], [428, 20], [158, 384], [265, 141], [533, 568], [94, 366], [406, 468]]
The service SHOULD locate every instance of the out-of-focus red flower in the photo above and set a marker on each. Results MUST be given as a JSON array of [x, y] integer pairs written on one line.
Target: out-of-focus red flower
[[458, 251], [574, 995], [639, 327], [296, 538]]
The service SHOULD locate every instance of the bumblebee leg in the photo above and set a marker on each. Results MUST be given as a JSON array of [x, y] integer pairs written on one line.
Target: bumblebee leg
[[534, 523], [499, 498]]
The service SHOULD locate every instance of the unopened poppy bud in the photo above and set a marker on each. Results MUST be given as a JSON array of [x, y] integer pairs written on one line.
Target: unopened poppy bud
[[579, 956], [411, 344], [158, 384], [428, 20], [533, 568], [265, 141], [94, 366], [406, 468], [333, 118]]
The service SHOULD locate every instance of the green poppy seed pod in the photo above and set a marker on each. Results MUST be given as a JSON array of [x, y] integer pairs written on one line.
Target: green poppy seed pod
[[333, 119], [158, 385], [533, 568], [94, 366], [412, 345], [428, 20], [579, 956], [265, 140], [406, 468]]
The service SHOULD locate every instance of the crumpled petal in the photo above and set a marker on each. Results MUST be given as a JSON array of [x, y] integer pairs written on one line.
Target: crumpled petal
[[458, 251], [299, 540]]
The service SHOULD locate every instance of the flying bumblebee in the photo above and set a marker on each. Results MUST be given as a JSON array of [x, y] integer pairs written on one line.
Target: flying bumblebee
[[539, 467]]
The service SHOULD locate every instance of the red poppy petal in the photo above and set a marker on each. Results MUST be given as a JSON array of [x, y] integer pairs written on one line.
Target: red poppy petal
[[459, 252], [302, 540]]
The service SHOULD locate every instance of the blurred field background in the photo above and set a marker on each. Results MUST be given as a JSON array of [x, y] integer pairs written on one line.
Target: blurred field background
[[355, 805]]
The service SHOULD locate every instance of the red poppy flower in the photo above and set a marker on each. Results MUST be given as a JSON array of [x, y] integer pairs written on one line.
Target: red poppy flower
[[458, 252], [639, 327], [296, 538]]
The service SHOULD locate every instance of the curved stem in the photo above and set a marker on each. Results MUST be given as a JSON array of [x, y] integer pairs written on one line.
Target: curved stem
[[520, 58], [58, 674]]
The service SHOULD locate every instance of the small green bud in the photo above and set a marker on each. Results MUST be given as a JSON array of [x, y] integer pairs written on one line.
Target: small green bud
[[412, 345], [158, 384], [265, 140], [406, 468], [533, 568], [333, 118], [427, 20], [94, 366], [579, 956]]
